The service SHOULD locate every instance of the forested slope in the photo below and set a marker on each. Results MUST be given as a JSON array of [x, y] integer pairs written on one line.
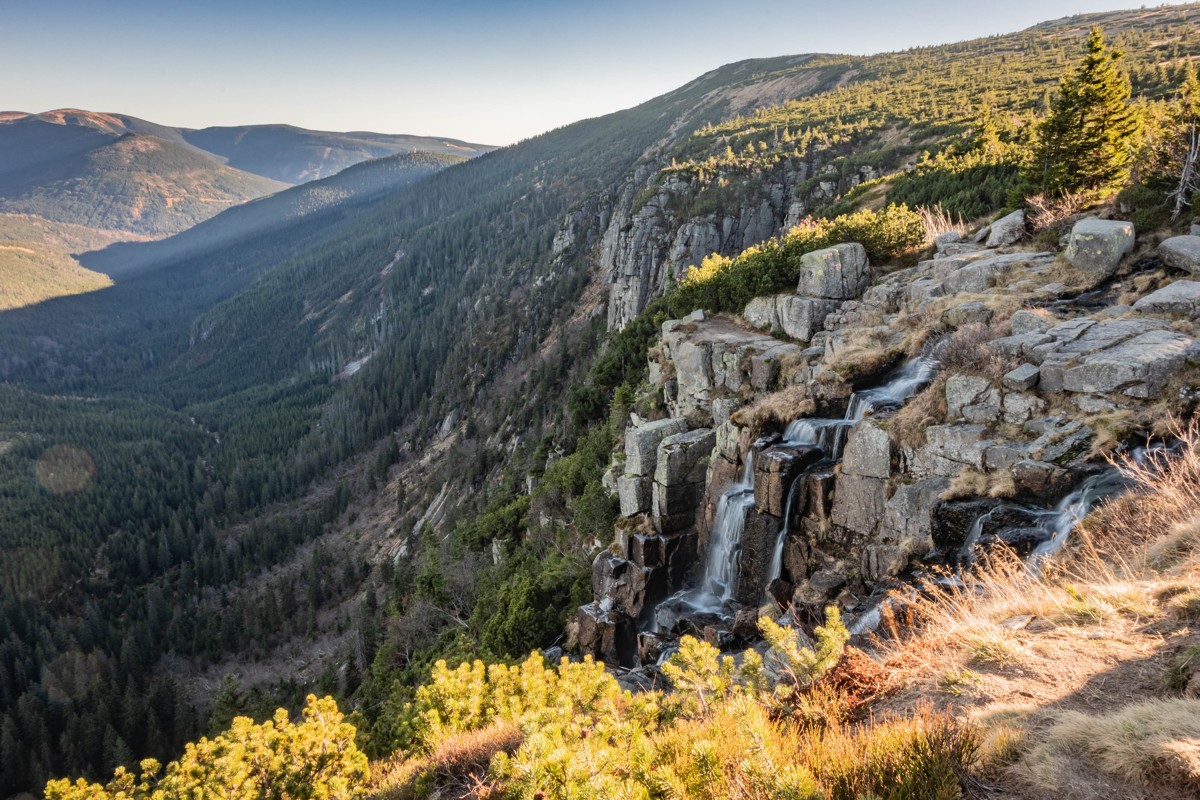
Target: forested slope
[[406, 368]]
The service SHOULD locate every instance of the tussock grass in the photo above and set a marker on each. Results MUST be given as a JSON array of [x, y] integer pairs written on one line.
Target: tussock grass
[[774, 411], [1180, 673], [907, 427], [938, 221], [1144, 744], [924, 755], [971, 482], [993, 645], [1129, 531]]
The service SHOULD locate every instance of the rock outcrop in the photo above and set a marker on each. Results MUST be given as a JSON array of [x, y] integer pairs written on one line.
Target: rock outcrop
[[844, 507], [1097, 246]]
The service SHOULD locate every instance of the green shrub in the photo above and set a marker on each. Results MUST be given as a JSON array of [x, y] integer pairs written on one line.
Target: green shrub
[[722, 283], [312, 760]]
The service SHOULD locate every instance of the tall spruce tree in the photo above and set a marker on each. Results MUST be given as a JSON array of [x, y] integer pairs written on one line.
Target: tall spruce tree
[[1087, 141]]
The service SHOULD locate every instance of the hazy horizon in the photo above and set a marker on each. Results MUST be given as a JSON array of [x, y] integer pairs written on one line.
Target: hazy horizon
[[479, 72]]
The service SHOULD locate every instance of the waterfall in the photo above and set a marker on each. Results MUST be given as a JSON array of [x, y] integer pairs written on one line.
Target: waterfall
[[830, 434], [723, 565], [725, 544], [1071, 510], [777, 557]]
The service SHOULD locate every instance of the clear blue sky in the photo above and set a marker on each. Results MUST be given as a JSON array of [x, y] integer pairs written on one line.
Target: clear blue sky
[[490, 72]]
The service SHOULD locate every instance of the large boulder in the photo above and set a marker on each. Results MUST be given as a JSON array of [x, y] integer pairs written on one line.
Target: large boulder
[[607, 635], [1181, 297], [632, 589], [802, 317], [762, 314], [1096, 246], [1026, 321], [1007, 230], [908, 515], [797, 317], [840, 272], [971, 398], [1140, 367], [641, 444], [1181, 252], [948, 449]]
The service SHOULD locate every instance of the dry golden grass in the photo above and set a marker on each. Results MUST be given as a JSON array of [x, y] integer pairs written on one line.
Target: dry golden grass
[[457, 767], [974, 483], [907, 427], [775, 411], [1045, 211], [938, 221], [1058, 668], [1145, 744], [860, 355], [1158, 517]]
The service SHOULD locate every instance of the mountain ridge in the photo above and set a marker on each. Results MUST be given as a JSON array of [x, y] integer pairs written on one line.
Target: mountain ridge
[[457, 478]]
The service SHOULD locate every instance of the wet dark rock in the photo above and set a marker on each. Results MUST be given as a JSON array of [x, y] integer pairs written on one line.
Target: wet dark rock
[[820, 587], [607, 635], [1020, 540], [651, 646], [1040, 480], [775, 469], [952, 522], [758, 547], [632, 590], [781, 591], [719, 636], [745, 624], [648, 550]]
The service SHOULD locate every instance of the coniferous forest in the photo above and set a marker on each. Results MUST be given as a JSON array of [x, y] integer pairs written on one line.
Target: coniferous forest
[[337, 441]]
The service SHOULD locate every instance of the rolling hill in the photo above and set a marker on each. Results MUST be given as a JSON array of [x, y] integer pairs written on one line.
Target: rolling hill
[[295, 155], [129, 179]]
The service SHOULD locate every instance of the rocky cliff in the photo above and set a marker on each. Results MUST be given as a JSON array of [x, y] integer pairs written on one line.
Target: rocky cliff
[[830, 441]]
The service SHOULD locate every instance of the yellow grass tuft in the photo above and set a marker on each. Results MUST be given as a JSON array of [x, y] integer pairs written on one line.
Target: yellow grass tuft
[[1144, 744]]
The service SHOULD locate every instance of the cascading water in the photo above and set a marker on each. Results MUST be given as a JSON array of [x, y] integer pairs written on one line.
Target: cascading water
[[776, 569], [722, 568], [724, 552], [1059, 522], [829, 434]]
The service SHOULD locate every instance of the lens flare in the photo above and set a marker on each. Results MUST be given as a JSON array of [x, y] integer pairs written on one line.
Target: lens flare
[[65, 469]]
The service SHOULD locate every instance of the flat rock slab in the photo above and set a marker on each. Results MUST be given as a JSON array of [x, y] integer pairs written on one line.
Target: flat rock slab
[[979, 276], [1181, 297], [1140, 367], [1181, 252], [1097, 246]]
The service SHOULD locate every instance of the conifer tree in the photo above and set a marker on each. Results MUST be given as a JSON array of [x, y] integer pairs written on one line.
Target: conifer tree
[[1087, 141]]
